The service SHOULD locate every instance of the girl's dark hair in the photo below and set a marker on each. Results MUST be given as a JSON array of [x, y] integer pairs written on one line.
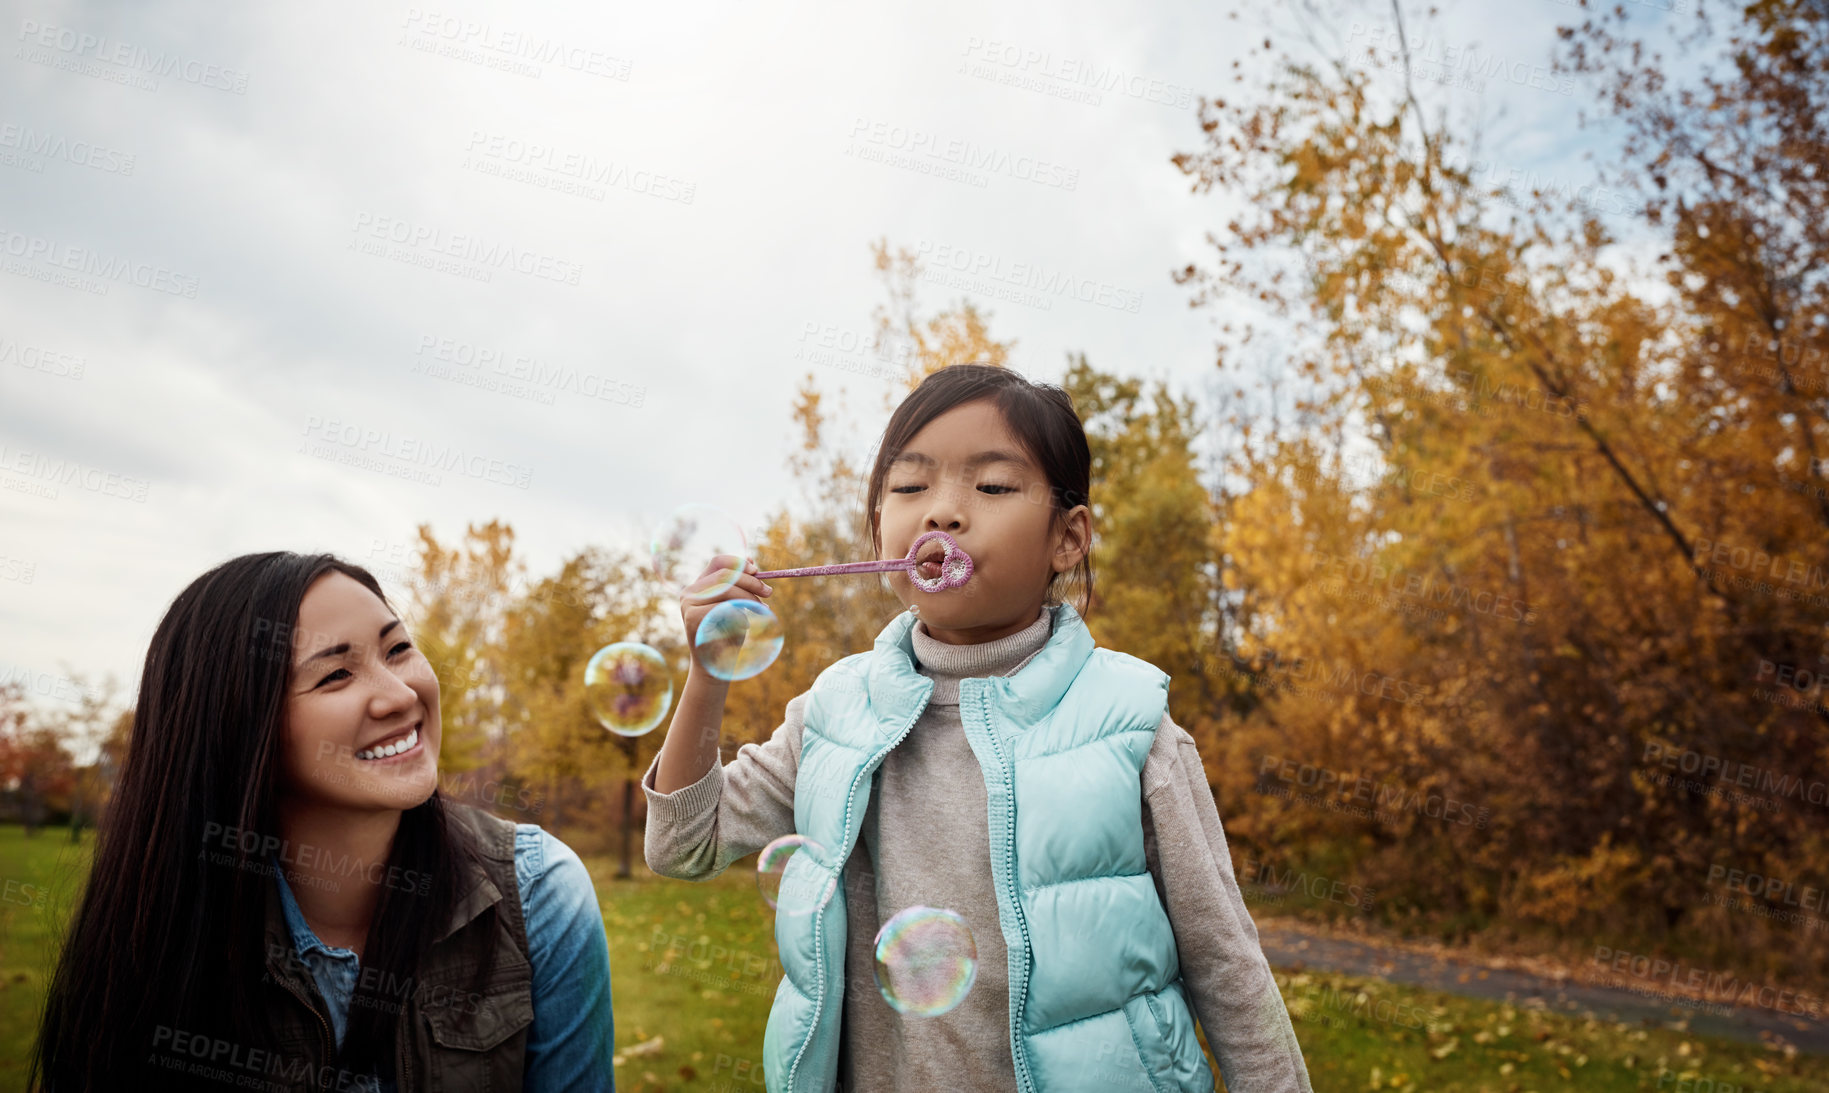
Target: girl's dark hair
[[166, 935], [1042, 417]]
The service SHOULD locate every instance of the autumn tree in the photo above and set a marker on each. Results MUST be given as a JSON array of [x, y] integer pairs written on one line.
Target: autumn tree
[[551, 738], [460, 596], [1497, 544]]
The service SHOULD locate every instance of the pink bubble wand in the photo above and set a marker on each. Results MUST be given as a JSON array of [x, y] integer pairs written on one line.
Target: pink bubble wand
[[955, 565]]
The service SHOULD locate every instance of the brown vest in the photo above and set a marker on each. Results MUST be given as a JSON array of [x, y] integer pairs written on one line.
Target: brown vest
[[449, 1037]]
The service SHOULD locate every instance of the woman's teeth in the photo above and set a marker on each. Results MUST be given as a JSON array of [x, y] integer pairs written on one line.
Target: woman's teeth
[[387, 750]]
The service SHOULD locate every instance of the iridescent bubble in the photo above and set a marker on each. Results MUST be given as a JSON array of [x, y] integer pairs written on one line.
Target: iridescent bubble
[[926, 960], [737, 639], [628, 687], [797, 891], [685, 543]]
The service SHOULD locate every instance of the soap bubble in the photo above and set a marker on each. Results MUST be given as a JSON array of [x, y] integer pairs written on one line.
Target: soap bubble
[[807, 890], [926, 960], [737, 639], [628, 687], [688, 539]]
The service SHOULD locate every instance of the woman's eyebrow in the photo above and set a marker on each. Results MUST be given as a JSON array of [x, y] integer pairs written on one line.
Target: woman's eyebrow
[[340, 648]]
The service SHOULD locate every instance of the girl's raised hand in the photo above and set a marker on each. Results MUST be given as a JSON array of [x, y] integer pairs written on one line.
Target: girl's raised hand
[[695, 604]]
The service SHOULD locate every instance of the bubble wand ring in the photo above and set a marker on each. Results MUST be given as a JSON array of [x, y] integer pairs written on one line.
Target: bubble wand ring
[[955, 566]]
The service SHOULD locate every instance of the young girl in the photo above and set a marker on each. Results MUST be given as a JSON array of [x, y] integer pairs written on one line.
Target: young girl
[[283, 899], [987, 758]]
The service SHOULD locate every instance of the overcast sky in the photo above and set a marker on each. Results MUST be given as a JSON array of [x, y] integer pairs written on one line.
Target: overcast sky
[[303, 276]]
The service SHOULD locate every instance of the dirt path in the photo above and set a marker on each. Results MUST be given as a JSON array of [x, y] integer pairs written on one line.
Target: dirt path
[[1294, 946]]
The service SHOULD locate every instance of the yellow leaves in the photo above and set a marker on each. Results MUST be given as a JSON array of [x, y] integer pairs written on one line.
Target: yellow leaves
[[1572, 884]]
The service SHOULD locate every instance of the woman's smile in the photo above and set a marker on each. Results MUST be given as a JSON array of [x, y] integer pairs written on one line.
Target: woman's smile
[[395, 746]]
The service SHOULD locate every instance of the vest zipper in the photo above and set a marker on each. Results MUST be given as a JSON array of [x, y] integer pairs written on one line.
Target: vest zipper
[[1024, 1080], [330, 1047], [819, 950], [403, 1055]]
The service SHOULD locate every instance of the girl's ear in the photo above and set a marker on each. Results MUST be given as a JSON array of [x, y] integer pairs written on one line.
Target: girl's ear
[[1074, 540]]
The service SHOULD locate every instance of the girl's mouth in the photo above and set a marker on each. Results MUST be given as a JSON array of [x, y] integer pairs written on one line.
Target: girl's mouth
[[932, 555], [394, 747]]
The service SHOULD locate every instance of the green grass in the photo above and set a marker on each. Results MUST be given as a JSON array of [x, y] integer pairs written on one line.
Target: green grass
[[1360, 1034], [694, 969], [703, 987], [40, 879]]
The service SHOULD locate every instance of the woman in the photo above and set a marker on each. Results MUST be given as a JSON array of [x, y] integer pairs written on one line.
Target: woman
[[281, 897]]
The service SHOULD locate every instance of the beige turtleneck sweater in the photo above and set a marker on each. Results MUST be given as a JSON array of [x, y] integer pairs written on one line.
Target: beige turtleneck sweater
[[926, 840]]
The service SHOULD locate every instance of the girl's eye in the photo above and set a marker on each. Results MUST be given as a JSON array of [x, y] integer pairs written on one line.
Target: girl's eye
[[398, 649], [335, 676], [987, 487]]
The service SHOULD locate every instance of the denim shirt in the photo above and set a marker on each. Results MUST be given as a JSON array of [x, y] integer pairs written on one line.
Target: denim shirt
[[573, 1035]]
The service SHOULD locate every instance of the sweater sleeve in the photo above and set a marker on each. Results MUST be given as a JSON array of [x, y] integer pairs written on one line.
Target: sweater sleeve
[[1229, 985], [737, 808]]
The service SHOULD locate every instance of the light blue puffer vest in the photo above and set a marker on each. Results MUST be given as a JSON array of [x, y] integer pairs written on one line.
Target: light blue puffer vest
[[1096, 998]]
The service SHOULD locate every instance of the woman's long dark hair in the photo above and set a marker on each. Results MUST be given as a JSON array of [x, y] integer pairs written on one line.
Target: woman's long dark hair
[[166, 938], [1042, 417]]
